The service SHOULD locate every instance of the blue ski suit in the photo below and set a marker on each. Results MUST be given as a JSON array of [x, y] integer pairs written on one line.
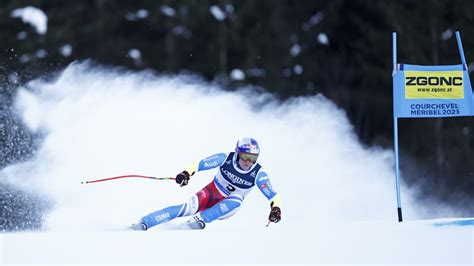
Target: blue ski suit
[[222, 197]]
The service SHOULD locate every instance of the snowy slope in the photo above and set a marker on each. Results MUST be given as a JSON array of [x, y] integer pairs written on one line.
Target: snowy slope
[[345, 243], [339, 203]]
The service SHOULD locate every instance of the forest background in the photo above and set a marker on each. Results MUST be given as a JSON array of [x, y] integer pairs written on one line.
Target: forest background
[[340, 49]]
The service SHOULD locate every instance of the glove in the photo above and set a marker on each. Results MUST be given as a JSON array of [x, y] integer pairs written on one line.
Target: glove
[[182, 178], [275, 215]]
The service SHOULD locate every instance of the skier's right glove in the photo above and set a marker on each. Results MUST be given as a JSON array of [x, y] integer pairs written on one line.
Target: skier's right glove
[[182, 178], [275, 215]]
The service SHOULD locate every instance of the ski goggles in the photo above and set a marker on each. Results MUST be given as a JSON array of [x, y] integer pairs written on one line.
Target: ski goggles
[[248, 157]]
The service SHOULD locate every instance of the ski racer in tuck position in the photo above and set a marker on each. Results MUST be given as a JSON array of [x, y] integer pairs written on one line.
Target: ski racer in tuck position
[[238, 174]]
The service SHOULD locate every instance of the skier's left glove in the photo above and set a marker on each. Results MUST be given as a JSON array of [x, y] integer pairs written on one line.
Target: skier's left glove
[[182, 178], [275, 215]]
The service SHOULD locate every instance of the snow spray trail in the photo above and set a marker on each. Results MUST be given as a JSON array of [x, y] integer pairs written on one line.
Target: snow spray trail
[[100, 122]]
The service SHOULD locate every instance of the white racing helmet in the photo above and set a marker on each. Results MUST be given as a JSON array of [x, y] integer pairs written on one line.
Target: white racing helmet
[[247, 149]]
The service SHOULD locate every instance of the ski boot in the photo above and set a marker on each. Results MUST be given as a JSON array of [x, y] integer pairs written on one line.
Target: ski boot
[[140, 226], [196, 222]]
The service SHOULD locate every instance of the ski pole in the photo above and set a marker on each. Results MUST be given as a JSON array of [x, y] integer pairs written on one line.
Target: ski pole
[[268, 223], [126, 176]]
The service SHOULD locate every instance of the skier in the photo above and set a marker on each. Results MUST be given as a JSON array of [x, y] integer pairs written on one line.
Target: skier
[[238, 173]]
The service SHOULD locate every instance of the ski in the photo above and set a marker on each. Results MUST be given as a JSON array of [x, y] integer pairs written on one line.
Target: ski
[[193, 224]]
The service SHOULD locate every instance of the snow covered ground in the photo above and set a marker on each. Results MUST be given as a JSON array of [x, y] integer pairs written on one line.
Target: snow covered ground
[[340, 242], [338, 197]]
